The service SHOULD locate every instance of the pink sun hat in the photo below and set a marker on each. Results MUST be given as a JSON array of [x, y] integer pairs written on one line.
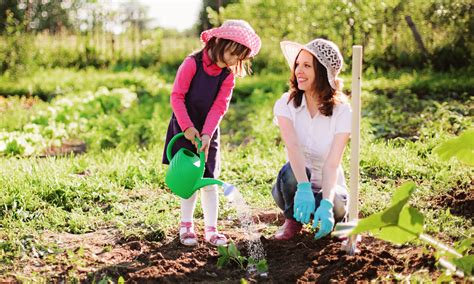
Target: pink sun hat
[[236, 30]]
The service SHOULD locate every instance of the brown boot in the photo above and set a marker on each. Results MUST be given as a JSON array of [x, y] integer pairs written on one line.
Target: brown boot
[[289, 229]]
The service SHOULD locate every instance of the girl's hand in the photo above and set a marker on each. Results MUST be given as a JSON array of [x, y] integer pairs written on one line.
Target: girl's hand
[[191, 133], [206, 141]]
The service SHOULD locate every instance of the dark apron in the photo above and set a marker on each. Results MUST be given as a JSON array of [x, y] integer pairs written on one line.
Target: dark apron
[[199, 100]]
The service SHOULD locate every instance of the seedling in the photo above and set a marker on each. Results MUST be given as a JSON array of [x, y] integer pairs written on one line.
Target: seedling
[[231, 253], [261, 265], [228, 254]]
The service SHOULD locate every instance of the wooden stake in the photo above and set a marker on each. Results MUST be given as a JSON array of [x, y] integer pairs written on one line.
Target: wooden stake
[[351, 245], [355, 135]]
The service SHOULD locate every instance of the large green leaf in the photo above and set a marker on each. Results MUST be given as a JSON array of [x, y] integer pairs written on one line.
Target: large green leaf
[[403, 193], [399, 199], [461, 147], [466, 264], [372, 222], [464, 245], [411, 220], [395, 234], [390, 215], [410, 225]]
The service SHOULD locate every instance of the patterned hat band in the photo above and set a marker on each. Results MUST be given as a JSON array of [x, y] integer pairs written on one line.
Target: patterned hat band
[[325, 51]]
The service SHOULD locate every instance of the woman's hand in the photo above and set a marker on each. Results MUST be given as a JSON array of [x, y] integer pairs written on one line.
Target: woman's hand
[[206, 141], [325, 216], [304, 202], [191, 133]]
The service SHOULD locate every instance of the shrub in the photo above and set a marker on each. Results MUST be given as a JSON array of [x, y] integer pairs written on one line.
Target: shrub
[[452, 56]]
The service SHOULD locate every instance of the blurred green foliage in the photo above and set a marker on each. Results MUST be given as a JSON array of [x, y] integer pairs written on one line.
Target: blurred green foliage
[[380, 27], [445, 28], [14, 48]]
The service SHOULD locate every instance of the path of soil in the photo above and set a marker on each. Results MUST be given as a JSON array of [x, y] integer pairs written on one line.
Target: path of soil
[[302, 259]]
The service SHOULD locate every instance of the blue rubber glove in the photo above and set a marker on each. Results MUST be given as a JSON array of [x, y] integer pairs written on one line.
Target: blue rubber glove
[[304, 202], [326, 216]]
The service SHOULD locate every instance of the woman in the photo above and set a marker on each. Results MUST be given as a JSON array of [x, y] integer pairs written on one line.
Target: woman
[[315, 123]]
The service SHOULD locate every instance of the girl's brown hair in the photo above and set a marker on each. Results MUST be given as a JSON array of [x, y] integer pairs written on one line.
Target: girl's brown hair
[[217, 48], [327, 97]]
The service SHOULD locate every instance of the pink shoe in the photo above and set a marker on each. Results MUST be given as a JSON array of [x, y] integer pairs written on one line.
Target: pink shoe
[[289, 229], [214, 239], [188, 237]]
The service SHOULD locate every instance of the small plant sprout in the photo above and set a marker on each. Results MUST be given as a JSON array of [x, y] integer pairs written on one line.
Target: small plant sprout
[[231, 253], [261, 265]]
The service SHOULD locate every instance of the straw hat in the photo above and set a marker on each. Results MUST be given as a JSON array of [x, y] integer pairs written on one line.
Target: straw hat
[[325, 51]]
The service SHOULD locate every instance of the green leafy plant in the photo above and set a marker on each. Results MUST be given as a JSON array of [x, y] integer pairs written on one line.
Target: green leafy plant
[[461, 147], [95, 116], [232, 254], [260, 265], [15, 52], [228, 254], [400, 223]]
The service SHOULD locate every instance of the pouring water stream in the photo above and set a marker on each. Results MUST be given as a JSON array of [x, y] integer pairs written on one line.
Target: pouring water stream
[[254, 245]]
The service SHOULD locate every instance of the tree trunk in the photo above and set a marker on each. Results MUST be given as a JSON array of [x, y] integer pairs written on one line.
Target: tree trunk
[[416, 35]]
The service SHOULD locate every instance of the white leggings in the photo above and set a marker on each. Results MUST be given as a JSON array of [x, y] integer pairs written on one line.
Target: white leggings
[[209, 202]]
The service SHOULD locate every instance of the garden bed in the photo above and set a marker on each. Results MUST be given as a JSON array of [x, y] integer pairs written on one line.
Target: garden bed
[[105, 255]]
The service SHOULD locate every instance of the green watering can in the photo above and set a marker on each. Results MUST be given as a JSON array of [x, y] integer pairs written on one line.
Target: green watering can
[[186, 170]]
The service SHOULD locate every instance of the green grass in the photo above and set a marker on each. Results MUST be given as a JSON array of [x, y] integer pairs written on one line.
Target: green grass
[[122, 186], [49, 83]]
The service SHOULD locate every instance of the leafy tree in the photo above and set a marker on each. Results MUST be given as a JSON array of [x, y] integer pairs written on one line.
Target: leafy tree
[[14, 55], [204, 23], [379, 26], [12, 7], [452, 24], [49, 15]]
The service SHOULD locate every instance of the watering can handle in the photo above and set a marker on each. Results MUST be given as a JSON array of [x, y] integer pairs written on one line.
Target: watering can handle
[[202, 156]]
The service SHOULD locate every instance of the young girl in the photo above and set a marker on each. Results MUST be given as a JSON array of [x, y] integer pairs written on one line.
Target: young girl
[[315, 124], [201, 95]]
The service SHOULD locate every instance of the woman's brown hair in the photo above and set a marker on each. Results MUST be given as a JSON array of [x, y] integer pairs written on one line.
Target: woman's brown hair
[[327, 96], [217, 48]]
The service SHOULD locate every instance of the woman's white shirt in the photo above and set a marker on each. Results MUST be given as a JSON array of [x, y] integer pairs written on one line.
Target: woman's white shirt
[[316, 134]]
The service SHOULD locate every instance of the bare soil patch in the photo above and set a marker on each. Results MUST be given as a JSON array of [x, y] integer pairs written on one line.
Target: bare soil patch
[[96, 255], [459, 202]]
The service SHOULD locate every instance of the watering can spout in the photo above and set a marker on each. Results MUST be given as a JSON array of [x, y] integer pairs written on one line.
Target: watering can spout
[[206, 181]]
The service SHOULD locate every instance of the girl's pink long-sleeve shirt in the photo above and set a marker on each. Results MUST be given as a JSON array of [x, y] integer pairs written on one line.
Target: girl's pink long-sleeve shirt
[[181, 85]]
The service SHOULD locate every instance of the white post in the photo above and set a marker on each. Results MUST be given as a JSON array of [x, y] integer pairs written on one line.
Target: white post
[[355, 145], [355, 135]]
